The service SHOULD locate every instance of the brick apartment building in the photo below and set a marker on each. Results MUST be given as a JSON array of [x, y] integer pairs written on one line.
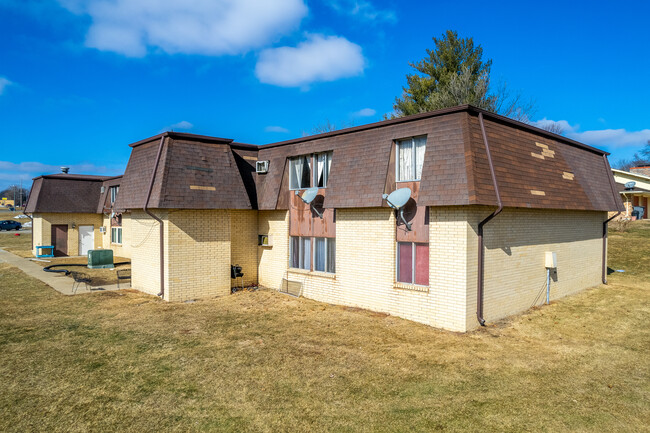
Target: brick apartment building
[[489, 197]]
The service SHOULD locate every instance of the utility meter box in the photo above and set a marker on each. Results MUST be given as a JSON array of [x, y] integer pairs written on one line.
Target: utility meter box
[[550, 260], [98, 259]]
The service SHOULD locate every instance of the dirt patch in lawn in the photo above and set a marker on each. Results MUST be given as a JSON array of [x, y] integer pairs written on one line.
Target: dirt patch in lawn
[[98, 277]]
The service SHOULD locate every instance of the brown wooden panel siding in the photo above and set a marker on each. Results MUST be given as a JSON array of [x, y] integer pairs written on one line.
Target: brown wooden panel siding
[[414, 214], [303, 221]]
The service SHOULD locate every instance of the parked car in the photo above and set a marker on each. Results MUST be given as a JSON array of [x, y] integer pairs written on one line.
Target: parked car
[[11, 209], [10, 225]]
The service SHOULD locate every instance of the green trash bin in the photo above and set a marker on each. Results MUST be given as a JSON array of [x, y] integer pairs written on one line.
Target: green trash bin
[[98, 259]]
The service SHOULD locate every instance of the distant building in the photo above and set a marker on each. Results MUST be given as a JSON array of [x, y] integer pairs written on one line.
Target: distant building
[[634, 187]]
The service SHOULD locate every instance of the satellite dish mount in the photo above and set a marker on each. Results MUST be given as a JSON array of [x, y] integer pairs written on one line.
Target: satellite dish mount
[[308, 196], [397, 200]]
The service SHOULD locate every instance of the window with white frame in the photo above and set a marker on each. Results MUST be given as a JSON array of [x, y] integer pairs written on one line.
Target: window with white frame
[[413, 263], [323, 163], [300, 252], [301, 174], [410, 157], [116, 235], [325, 255], [114, 191]]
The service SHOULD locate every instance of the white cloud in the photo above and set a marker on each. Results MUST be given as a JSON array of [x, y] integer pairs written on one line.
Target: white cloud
[[206, 27], [320, 58], [365, 112], [562, 124], [184, 124], [276, 129], [610, 138], [4, 83], [363, 9]]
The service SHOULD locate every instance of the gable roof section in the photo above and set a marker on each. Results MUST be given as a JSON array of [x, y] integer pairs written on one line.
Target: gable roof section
[[65, 193], [195, 172]]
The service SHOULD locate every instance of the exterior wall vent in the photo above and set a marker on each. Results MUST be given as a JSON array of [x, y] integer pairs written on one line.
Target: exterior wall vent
[[261, 167]]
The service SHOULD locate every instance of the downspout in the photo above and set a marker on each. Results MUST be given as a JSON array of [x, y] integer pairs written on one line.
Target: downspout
[[611, 184], [481, 256], [160, 221]]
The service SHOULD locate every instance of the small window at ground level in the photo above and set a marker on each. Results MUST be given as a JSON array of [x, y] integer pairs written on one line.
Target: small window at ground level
[[325, 255], [116, 235], [413, 263], [410, 158], [300, 252]]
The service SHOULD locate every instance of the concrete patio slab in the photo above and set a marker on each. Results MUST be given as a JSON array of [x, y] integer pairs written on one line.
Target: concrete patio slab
[[57, 281]]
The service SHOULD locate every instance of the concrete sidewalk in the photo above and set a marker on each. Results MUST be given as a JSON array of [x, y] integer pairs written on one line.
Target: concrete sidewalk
[[57, 281]]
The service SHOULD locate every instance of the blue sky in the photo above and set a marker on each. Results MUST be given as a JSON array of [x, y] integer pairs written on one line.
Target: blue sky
[[81, 79]]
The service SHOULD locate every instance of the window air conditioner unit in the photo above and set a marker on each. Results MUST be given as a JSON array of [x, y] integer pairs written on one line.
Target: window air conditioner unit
[[102, 229], [262, 167]]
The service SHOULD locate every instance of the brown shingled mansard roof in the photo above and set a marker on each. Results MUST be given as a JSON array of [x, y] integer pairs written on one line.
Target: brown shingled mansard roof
[[534, 168], [66, 193], [194, 172]]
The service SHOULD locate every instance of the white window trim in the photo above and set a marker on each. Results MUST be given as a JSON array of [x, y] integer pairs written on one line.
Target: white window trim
[[120, 236], [312, 242], [300, 252], [313, 181], [114, 190], [413, 261], [313, 259], [413, 157]]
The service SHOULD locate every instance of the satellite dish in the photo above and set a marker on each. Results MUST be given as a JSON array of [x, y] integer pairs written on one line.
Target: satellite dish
[[308, 196], [630, 185], [397, 199]]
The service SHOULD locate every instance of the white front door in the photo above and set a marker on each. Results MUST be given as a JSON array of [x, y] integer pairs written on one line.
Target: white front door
[[86, 239]]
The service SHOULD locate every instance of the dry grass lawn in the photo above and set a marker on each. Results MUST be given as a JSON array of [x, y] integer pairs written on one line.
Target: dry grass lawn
[[263, 361]]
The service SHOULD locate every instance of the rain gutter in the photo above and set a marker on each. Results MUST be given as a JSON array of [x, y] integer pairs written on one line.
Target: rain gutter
[[160, 221], [481, 255]]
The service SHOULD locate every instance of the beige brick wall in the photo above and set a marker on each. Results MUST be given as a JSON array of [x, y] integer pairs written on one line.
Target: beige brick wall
[[144, 244], [42, 229], [273, 261], [516, 242], [123, 250], [197, 254], [452, 266], [243, 246]]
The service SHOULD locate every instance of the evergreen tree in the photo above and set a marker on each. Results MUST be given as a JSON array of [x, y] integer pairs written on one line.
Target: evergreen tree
[[454, 73]]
